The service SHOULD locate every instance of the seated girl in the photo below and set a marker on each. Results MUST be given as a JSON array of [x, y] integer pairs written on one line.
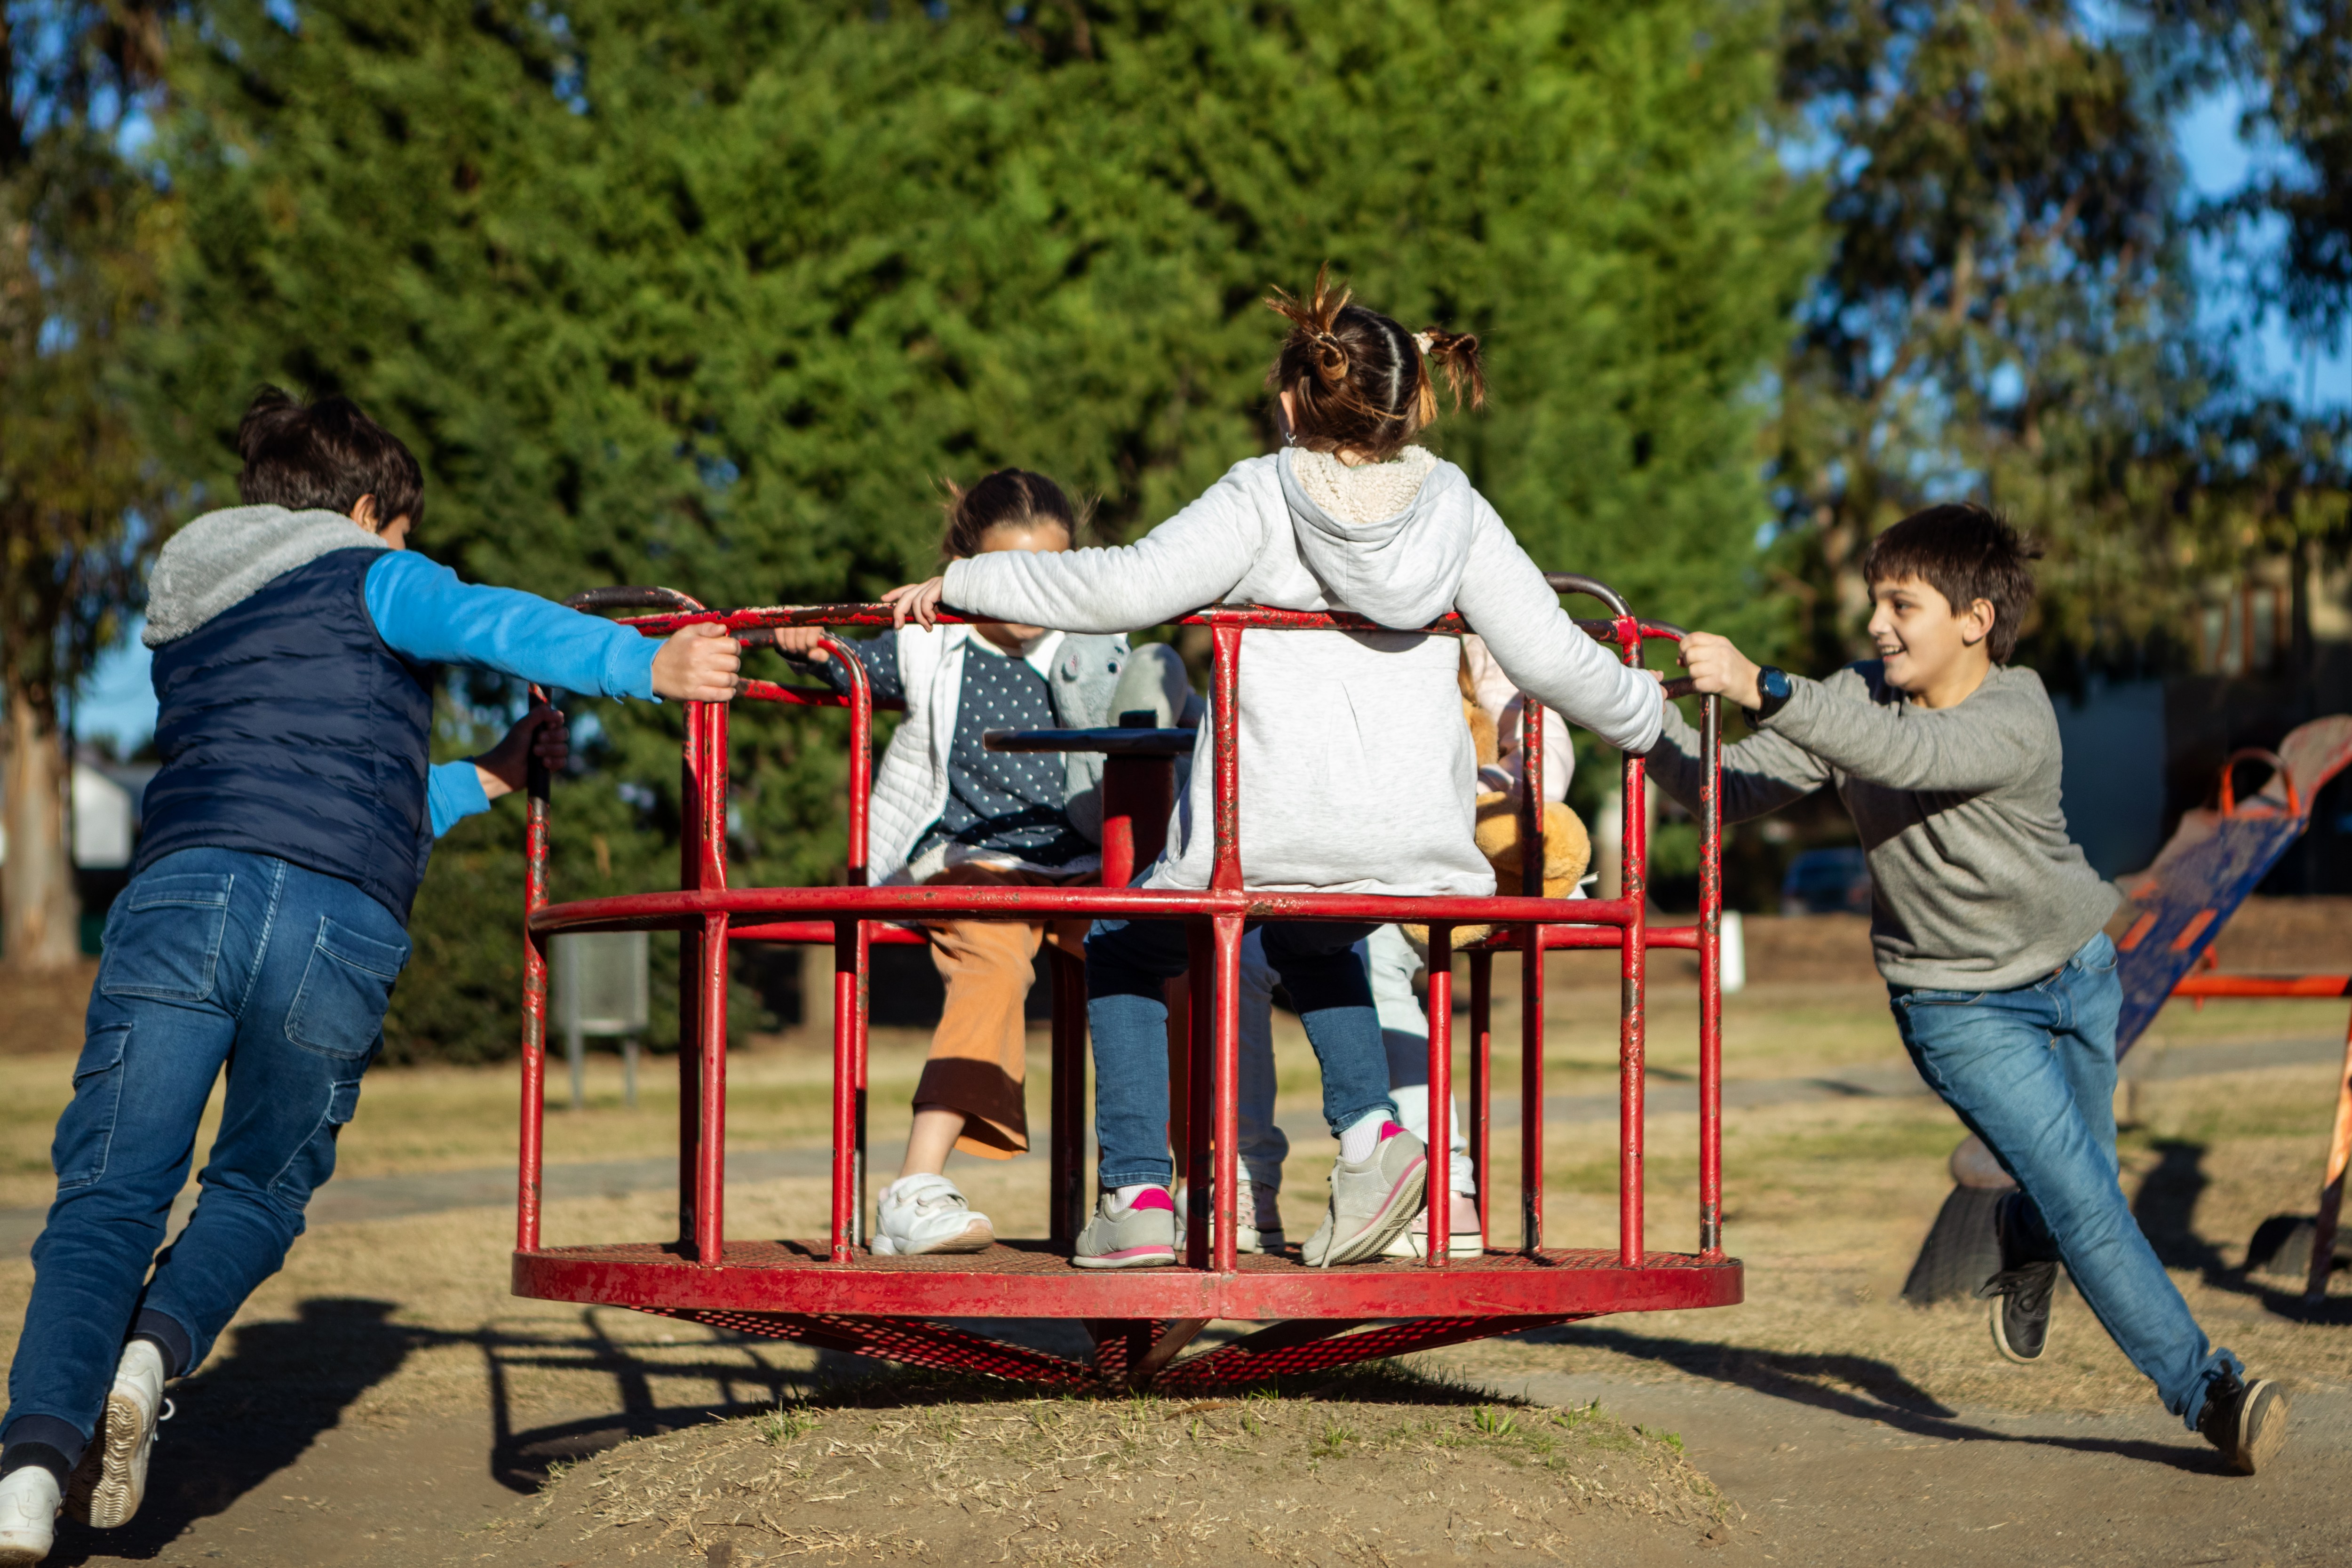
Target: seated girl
[[1349, 516], [946, 811]]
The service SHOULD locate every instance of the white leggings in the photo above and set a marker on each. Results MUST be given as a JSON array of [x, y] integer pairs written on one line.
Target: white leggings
[[1404, 1030]]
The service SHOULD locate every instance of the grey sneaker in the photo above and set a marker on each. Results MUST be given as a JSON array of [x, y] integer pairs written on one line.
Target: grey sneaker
[[1467, 1240], [1142, 1237], [1371, 1203], [1257, 1218]]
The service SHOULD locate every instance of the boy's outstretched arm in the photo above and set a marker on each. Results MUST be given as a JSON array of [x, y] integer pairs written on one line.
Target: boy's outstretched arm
[[421, 610], [1992, 738], [1760, 774]]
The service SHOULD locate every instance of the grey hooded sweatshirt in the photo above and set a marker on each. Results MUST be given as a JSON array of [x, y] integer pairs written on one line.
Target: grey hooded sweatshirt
[[1352, 747]]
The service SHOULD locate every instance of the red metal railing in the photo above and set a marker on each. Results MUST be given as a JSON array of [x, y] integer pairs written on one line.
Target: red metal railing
[[710, 916]]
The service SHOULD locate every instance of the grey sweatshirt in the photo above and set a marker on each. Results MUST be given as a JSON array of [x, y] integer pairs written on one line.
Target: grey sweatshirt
[[1353, 752], [1974, 884]]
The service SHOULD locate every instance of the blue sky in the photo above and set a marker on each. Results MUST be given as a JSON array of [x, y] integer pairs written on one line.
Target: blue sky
[[117, 700]]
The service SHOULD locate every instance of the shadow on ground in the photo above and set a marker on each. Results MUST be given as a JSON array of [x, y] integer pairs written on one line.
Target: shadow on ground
[[249, 1414], [1857, 1387]]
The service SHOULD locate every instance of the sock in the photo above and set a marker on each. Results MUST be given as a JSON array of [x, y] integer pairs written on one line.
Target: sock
[[19, 1455], [1361, 1136], [166, 1334], [43, 1440], [1142, 1194]]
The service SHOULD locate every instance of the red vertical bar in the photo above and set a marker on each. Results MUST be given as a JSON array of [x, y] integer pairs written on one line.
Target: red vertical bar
[[861, 787], [844, 1088], [1710, 979], [1632, 955], [860, 1207], [1226, 1078], [689, 980], [1226, 683], [1482, 1078], [530, 1148], [1194, 1136], [1440, 1218], [710, 1164], [1531, 977]]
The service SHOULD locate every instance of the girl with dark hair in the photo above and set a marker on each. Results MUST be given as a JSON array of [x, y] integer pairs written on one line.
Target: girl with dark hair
[[1349, 515], [948, 811]]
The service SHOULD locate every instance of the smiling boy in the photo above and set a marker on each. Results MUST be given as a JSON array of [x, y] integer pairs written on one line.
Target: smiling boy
[[1986, 921]]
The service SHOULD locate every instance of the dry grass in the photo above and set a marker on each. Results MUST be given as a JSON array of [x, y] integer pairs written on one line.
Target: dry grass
[[905, 1467]]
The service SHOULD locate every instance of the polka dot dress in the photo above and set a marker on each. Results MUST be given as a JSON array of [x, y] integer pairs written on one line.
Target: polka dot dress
[[996, 800]]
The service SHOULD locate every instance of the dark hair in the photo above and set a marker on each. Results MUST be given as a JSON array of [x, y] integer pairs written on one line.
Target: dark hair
[[1009, 498], [323, 456], [1359, 381], [1966, 554]]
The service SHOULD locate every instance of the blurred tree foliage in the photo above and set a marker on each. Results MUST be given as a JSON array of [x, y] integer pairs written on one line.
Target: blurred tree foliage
[[79, 230], [2008, 315], [2294, 60], [710, 294]]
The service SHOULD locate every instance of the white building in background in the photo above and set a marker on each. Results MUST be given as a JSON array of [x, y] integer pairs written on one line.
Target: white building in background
[[107, 800]]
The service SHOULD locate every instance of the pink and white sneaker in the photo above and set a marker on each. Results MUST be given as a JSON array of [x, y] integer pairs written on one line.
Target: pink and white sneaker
[[1371, 1203], [1138, 1235]]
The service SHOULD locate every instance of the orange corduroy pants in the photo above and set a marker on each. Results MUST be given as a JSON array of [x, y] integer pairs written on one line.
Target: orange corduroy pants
[[979, 1063]]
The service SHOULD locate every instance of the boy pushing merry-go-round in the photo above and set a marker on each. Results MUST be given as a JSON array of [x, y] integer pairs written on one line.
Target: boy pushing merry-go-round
[[1987, 926], [266, 916]]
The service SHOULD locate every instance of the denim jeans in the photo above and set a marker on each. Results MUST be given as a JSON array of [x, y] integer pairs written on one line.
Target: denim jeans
[[214, 958], [1127, 963], [2033, 1073], [1390, 964]]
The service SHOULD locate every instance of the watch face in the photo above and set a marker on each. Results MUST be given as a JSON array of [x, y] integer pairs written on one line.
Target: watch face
[[1775, 684]]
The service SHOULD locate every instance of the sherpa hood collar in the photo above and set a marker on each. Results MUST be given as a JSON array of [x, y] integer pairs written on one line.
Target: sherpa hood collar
[[1401, 571], [224, 558]]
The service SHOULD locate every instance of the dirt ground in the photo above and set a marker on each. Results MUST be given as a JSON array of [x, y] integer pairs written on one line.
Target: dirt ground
[[383, 1402]]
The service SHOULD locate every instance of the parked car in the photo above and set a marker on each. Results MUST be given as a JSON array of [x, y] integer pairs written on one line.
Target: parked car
[[1827, 882]]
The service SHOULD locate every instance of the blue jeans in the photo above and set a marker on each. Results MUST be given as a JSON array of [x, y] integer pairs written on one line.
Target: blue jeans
[[214, 958], [2033, 1073], [1127, 963]]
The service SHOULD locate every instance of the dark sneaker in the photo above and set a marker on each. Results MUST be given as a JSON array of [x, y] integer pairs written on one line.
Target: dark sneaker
[[2019, 1294], [2021, 1310], [2247, 1421]]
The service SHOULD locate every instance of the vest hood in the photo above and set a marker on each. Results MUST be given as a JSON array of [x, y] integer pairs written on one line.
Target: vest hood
[[224, 558], [1400, 571]]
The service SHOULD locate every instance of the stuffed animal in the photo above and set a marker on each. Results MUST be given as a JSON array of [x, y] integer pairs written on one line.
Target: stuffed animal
[[1568, 849]]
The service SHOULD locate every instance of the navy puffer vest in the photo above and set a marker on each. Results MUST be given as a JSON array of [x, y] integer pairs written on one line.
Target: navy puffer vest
[[288, 728]]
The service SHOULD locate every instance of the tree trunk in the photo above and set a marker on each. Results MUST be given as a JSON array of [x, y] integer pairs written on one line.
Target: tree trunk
[[41, 918]]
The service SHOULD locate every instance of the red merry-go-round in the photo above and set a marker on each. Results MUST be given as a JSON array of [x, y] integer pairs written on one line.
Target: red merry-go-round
[[832, 1291]]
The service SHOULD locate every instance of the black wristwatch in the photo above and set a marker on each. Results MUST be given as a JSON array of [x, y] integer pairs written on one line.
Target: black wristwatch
[[1773, 685]]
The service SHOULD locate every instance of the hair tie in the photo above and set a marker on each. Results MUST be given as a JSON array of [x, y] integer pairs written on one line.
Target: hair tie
[[1421, 341]]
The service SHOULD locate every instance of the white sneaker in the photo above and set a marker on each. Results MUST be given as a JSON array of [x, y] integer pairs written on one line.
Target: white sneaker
[[1371, 1203], [28, 1514], [110, 1482], [1257, 1218], [923, 1214], [1467, 1241]]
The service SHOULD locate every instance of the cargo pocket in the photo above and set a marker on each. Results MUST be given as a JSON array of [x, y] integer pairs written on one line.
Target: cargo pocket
[[338, 1009], [163, 938], [86, 1130], [314, 1162]]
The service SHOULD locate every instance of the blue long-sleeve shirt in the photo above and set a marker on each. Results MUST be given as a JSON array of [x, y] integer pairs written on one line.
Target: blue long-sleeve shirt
[[424, 612]]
